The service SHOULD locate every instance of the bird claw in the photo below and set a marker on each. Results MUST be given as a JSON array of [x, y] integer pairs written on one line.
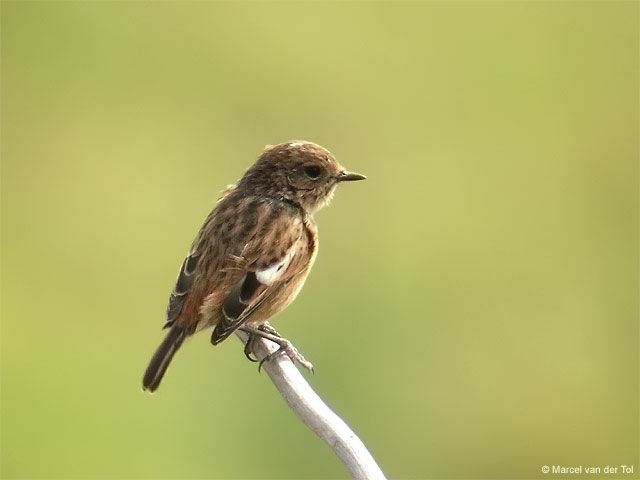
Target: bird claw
[[270, 333], [292, 352], [248, 348]]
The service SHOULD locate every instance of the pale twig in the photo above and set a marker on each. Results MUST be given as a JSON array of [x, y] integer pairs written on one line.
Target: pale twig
[[315, 414]]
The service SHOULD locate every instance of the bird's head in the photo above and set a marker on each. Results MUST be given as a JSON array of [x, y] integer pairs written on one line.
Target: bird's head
[[299, 171]]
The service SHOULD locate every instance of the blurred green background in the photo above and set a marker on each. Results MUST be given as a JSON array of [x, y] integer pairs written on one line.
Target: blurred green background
[[473, 312]]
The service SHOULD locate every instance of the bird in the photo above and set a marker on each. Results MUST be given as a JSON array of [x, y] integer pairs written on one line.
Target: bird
[[252, 255]]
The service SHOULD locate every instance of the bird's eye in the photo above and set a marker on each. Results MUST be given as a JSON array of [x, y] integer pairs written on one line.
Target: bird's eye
[[312, 171]]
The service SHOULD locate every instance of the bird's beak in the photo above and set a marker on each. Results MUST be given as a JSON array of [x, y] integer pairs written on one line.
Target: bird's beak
[[350, 177]]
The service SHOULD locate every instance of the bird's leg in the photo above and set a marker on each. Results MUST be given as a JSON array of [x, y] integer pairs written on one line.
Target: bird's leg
[[270, 333]]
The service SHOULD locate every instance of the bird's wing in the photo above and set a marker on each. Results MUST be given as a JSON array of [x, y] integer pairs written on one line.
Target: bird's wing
[[272, 258]]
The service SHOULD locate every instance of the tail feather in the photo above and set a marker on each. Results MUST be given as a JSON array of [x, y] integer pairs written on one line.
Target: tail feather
[[162, 357]]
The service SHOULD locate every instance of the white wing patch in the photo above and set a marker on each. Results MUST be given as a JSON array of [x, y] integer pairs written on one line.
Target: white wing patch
[[270, 275]]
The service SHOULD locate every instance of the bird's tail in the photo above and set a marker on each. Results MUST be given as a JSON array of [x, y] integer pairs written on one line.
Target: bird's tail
[[162, 357]]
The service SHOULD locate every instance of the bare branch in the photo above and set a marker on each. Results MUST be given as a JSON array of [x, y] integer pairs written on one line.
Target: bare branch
[[315, 414]]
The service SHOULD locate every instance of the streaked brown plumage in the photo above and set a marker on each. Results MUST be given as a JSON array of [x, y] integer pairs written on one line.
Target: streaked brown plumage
[[254, 251]]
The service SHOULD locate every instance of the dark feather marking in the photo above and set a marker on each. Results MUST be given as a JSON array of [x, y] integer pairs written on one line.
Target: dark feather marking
[[183, 284], [237, 307], [192, 262], [233, 305], [185, 278], [241, 296], [173, 309], [249, 287]]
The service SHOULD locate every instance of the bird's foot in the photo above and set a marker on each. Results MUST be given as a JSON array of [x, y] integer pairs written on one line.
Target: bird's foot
[[292, 352], [270, 333]]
